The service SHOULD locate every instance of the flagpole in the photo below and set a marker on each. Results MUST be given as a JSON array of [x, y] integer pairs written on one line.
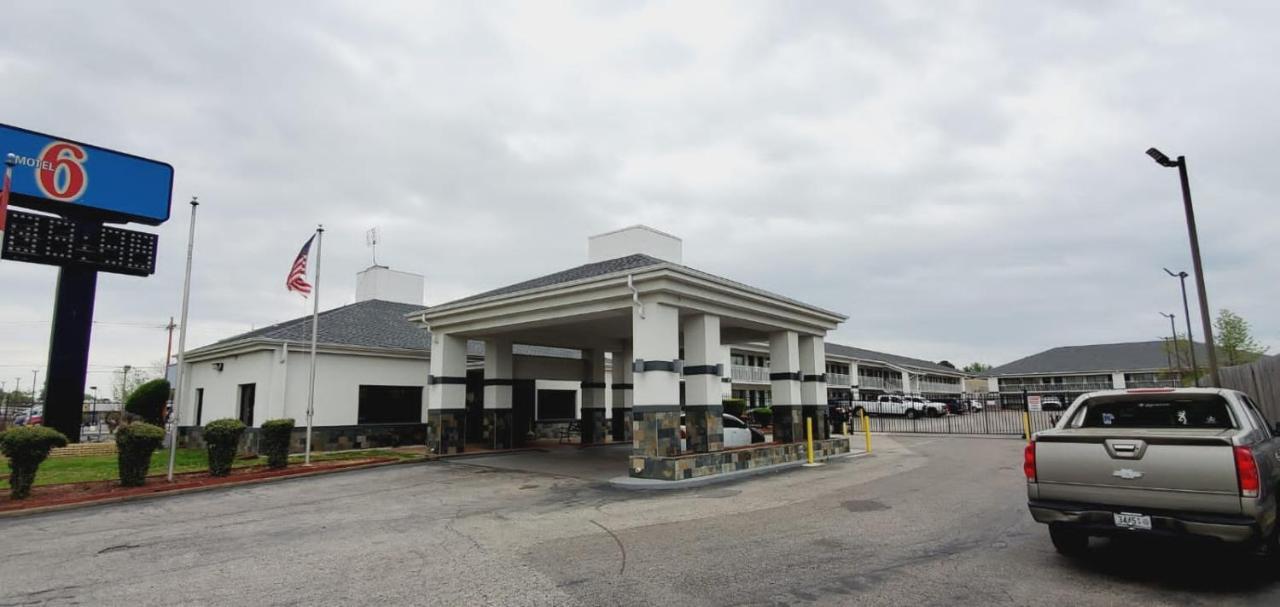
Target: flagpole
[[182, 343], [9, 161], [315, 320]]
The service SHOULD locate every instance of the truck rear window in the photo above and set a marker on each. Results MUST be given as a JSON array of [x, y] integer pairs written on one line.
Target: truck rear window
[[1147, 411]]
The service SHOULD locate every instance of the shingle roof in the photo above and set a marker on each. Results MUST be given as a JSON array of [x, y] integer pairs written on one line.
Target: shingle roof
[[373, 324], [893, 359], [582, 272], [1094, 358]]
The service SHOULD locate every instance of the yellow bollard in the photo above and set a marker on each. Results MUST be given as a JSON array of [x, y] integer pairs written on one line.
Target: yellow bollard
[[808, 430], [1026, 425], [866, 428]]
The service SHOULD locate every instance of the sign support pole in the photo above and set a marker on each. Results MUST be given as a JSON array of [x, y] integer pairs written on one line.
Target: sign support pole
[[69, 350]]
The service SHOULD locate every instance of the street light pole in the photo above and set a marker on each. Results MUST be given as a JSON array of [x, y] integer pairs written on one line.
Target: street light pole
[[1186, 315], [1207, 325]]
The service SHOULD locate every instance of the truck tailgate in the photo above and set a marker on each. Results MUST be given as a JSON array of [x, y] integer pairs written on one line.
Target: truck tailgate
[[1191, 470]]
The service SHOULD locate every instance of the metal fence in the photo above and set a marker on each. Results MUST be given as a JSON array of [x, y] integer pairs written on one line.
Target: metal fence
[[994, 413], [1000, 422]]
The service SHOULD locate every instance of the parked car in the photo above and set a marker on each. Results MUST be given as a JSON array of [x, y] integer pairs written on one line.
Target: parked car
[[1051, 403], [36, 416], [736, 433], [927, 406], [1184, 462], [886, 404]]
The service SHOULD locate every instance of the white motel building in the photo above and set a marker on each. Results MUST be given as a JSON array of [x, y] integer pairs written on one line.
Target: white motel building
[[629, 347]]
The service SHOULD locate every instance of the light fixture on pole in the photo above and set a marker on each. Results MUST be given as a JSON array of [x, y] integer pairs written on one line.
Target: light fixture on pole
[[1186, 315], [1174, 332], [1181, 165]]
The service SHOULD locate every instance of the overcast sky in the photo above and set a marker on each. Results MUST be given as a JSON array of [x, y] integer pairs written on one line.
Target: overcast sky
[[965, 183]]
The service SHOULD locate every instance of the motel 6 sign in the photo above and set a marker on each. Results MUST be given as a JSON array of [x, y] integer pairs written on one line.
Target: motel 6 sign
[[70, 178], [87, 186]]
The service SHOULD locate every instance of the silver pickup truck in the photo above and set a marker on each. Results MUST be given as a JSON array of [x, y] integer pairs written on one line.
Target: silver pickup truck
[[1192, 462]]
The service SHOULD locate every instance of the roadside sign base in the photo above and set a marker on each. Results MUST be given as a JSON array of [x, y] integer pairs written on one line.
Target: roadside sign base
[[69, 350]]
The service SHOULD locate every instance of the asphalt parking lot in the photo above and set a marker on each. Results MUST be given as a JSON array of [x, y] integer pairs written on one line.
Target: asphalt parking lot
[[920, 521]]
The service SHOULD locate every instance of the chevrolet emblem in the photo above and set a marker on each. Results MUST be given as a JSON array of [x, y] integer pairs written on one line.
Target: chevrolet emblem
[[1127, 474]]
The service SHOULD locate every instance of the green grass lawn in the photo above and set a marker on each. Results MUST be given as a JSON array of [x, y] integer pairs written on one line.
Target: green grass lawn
[[57, 470]]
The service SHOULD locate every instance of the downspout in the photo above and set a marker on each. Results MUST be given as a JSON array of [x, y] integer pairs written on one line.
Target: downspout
[[635, 295], [284, 387]]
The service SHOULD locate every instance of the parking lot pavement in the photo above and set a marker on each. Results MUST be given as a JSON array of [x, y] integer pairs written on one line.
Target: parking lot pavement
[[920, 521]]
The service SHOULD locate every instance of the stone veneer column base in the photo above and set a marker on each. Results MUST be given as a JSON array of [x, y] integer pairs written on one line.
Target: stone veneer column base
[[655, 431], [621, 429], [593, 426], [695, 465], [819, 415], [448, 430], [704, 426], [788, 424], [498, 428]]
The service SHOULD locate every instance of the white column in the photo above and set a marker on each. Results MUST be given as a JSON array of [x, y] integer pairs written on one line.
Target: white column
[[813, 386], [623, 376], [447, 393], [498, 374], [499, 380], [593, 401], [703, 405], [726, 375], [784, 381], [655, 339], [906, 383]]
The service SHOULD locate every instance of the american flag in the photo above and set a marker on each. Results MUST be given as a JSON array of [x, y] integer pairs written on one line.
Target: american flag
[[297, 275]]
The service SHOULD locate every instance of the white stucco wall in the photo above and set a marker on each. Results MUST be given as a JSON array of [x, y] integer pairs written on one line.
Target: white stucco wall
[[632, 240], [282, 387]]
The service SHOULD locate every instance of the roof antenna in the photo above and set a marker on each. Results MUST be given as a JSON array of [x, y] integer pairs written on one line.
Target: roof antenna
[[371, 241]]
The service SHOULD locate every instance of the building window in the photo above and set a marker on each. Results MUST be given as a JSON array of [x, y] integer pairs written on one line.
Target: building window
[[389, 405], [557, 405], [247, 396], [199, 406]]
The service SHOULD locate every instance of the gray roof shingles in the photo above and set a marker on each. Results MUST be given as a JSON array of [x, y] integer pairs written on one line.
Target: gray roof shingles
[[1096, 358], [894, 359], [373, 324], [582, 272]]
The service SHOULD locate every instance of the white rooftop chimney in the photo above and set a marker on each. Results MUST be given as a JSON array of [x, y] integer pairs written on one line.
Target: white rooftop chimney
[[381, 282], [633, 240]]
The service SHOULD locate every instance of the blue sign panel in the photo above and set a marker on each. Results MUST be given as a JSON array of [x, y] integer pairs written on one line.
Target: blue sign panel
[[80, 180]]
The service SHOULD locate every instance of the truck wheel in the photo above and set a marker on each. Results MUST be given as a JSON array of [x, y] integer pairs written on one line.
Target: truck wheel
[[1069, 542], [911, 414]]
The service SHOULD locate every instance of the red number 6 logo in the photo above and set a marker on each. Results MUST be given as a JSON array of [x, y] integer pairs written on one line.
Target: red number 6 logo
[[60, 173]]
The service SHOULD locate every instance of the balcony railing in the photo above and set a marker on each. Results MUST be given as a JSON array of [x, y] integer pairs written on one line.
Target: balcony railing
[[933, 386], [1153, 383], [838, 379], [870, 383], [752, 375], [1063, 387]]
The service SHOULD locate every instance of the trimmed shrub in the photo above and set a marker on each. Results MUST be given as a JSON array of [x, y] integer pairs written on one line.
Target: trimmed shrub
[[148, 401], [736, 407], [274, 441], [762, 416], [134, 445], [26, 447], [223, 438]]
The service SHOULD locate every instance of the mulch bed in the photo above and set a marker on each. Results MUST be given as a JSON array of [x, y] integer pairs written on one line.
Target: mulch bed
[[93, 491]]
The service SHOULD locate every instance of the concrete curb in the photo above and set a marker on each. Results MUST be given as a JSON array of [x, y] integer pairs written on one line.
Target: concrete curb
[[160, 494], [470, 454], [945, 435], [647, 484]]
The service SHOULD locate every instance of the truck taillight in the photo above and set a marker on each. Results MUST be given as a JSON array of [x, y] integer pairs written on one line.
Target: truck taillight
[[1247, 472], [1029, 462]]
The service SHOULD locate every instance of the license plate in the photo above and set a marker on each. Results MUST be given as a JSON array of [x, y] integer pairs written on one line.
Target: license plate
[[1128, 520]]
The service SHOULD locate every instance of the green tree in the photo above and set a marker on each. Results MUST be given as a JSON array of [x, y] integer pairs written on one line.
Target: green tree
[[148, 401], [976, 368], [1234, 340]]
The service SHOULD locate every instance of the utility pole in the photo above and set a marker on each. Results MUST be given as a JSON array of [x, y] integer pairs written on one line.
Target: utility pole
[[1173, 332], [124, 386], [168, 351], [35, 373]]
